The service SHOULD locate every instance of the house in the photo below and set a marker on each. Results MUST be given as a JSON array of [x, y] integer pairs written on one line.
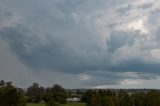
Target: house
[[74, 99]]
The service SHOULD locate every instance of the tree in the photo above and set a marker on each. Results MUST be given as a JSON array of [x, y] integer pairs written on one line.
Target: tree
[[59, 93], [94, 101], [10, 95], [138, 99], [55, 95], [124, 99], [48, 98], [92, 98], [107, 101], [35, 93], [115, 100], [153, 98]]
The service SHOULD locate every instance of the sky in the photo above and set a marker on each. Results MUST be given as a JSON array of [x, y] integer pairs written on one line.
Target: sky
[[80, 43]]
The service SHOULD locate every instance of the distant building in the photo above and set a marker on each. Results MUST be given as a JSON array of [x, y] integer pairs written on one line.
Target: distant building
[[74, 99]]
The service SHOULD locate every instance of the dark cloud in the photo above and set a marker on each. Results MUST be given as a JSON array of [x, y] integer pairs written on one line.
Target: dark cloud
[[119, 39], [53, 54], [147, 5], [71, 37], [60, 54], [136, 65], [35, 54]]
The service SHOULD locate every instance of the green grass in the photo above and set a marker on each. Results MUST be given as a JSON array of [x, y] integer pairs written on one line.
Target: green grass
[[74, 104], [35, 104], [68, 104]]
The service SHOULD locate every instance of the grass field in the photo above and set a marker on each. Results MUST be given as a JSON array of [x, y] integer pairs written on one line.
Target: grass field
[[74, 104], [35, 104], [68, 104]]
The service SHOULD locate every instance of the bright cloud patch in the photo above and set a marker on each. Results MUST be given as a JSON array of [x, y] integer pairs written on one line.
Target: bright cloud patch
[[129, 82], [138, 25]]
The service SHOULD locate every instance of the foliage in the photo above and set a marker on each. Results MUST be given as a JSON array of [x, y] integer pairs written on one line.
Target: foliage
[[59, 93], [153, 98], [100, 98], [122, 98], [107, 101], [10, 95], [35, 93], [55, 95]]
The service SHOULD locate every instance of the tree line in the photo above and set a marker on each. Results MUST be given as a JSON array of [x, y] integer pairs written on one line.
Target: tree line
[[122, 98], [10, 95]]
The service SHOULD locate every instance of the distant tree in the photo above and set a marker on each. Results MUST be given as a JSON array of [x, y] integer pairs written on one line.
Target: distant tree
[[138, 99], [59, 93], [107, 101], [106, 93], [92, 98], [55, 95], [115, 100], [102, 93], [110, 93], [100, 98], [35, 93], [124, 99], [86, 97], [94, 101], [153, 98], [48, 96]]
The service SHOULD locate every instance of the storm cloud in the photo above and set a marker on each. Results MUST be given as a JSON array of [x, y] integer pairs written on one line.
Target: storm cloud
[[93, 42]]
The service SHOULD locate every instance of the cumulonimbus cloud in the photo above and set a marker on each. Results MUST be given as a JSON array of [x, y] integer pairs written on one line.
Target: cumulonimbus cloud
[[81, 36]]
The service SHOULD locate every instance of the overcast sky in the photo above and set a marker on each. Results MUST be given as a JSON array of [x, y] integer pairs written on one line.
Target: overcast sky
[[80, 43]]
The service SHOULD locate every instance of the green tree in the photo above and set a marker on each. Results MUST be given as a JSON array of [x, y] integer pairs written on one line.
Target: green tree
[[92, 98], [153, 98], [35, 93], [10, 95], [55, 95], [107, 101], [59, 93], [124, 99], [138, 99]]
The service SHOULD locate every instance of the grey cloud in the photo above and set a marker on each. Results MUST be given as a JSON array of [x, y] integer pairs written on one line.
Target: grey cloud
[[137, 65], [53, 54], [58, 56], [114, 78], [12, 69], [124, 10], [145, 6], [102, 78], [64, 36], [148, 76], [120, 38]]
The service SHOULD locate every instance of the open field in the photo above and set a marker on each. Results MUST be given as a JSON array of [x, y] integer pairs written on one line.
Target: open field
[[68, 104]]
